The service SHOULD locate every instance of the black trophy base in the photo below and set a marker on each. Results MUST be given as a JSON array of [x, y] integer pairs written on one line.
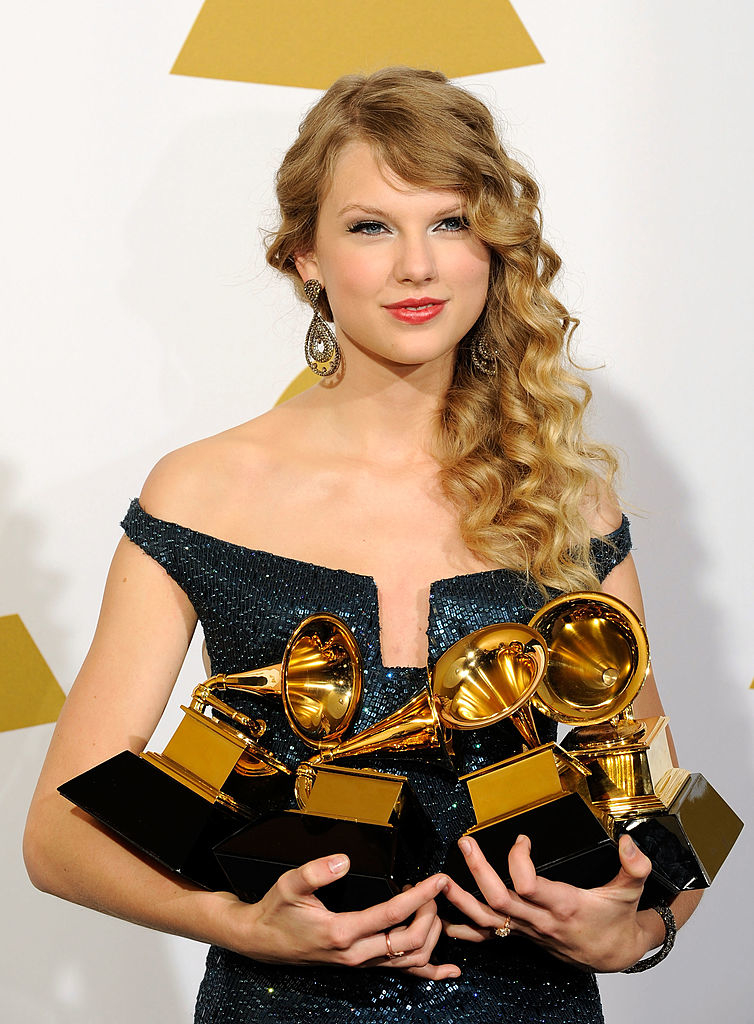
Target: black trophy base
[[690, 841], [157, 815], [568, 844], [384, 857]]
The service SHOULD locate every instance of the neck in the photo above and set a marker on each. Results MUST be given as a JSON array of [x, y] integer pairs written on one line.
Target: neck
[[384, 412]]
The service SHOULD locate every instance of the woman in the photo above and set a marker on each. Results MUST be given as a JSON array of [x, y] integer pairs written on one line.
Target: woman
[[444, 444]]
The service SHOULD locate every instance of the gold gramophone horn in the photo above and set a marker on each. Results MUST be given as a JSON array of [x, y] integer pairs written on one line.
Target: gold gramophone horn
[[415, 726], [322, 674], [319, 682], [490, 675], [599, 658]]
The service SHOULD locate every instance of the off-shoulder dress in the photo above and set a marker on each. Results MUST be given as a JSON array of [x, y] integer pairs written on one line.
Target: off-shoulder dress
[[249, 602]]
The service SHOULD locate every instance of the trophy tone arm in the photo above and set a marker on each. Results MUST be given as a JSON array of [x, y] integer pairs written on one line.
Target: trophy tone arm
[[262, 682]]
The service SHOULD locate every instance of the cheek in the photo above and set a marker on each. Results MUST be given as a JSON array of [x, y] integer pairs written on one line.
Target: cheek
[[354, 280], [475, 276], [471, 267]]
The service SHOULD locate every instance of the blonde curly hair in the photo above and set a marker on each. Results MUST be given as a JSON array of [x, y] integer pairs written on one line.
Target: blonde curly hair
[[514, 457]]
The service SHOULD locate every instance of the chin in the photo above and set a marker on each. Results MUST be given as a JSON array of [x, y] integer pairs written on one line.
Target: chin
[[410, 351]]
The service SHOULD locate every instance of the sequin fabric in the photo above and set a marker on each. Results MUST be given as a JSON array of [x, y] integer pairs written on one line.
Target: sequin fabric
[[249, 602]]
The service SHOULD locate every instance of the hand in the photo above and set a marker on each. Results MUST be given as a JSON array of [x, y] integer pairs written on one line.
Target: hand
[[291, 925], [598, 929]]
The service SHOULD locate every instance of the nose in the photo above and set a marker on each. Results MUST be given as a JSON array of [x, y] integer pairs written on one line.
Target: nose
[[415, 259]]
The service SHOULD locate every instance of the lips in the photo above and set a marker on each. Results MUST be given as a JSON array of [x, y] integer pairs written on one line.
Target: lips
[[416, 311]]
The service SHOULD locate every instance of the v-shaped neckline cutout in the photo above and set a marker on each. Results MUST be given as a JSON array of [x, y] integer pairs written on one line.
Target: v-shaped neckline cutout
[[369, 581]]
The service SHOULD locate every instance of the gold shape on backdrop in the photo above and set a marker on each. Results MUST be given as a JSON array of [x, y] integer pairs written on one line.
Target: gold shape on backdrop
[[310, 45], [302, 382], [29, 692]]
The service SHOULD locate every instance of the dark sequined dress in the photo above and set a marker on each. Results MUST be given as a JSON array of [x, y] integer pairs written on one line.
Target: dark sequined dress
[[249, 602]]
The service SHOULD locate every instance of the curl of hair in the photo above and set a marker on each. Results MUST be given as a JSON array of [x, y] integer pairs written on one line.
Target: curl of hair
[[512, 448]]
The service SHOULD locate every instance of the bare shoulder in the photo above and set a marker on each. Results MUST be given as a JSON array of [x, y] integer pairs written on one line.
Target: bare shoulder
[[600, 509], [193, 484]]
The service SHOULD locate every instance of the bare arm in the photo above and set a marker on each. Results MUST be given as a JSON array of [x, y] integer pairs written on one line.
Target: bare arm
[[623, 583], [145, 626], [598, 928]]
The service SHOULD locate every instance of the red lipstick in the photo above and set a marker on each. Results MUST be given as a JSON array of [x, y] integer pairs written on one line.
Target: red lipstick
[[416, 311]]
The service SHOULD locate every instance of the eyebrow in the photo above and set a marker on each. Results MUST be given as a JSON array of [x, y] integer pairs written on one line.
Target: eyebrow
[[372, 211]]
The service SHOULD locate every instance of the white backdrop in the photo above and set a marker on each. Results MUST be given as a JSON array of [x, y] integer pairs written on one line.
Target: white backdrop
[[137, 315]]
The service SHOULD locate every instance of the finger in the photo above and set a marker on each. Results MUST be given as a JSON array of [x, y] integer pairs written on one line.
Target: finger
[[395, 947], [306, 879], [537, 893], [434, 972], [527, 883], [415, 935], [483, 920], [489, 881], [635, 868], [395, 911], [421, 955], [502, 900], [399, 947], [477, 912], [467, 932], [360, 935], [423, 932]]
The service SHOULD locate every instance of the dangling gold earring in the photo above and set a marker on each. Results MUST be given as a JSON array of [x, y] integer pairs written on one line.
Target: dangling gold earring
[[321, 350], [482, 358]]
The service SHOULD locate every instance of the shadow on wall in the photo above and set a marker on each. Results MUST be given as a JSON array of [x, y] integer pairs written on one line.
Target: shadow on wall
[[63, 964], [690, 639], [689, 636], [220, 327], [28, 587], [59, 964]]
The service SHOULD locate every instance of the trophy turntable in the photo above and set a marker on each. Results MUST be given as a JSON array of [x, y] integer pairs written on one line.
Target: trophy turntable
[[373, 816], [611, 775], [675, 816], [214, 776]]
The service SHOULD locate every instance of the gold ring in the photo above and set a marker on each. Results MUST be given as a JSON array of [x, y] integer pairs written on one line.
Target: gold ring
[[505, 929], [392, 954]]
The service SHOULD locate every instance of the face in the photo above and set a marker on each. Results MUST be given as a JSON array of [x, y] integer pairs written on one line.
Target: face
[[405, 278]]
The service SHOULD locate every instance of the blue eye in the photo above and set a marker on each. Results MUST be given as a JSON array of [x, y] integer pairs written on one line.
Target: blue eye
[[453, 224], [367, 227]]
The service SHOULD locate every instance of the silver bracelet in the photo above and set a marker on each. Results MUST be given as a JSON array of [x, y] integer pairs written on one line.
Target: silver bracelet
[[670, 933]]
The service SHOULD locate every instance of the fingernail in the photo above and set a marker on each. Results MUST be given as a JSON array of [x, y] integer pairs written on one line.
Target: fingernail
[[523, 839], [338, 864], [441, 883], [465, 845], [454, 974]]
